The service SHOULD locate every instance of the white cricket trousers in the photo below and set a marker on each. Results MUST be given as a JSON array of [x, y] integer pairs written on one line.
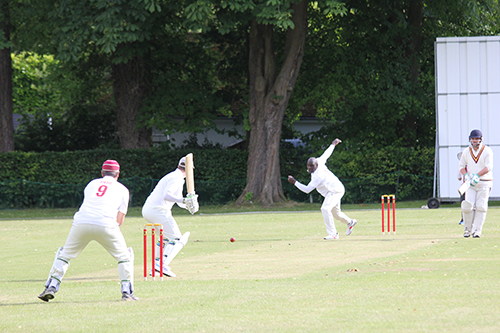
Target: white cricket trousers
[[154, 214], [475, 212], [111, 238], [331, 209]]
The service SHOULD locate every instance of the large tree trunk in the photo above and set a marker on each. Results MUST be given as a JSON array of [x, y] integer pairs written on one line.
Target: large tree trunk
[[128, 87], [269, 96], [6, 110]]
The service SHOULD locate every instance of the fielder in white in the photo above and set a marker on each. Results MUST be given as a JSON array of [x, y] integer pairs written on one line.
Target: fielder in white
[[330, 187], [99, 218], [476, 164], [158, 209]]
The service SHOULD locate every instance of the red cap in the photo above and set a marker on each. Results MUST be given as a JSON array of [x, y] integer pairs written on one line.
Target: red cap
[[111, 165]]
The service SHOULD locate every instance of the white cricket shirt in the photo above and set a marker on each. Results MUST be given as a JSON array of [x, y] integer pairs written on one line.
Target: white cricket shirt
[[103, 199], [475, 161], [168, 191], [322, 179]]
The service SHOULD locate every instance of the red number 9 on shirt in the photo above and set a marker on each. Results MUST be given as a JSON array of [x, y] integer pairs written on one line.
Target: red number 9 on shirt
[[101, 190]]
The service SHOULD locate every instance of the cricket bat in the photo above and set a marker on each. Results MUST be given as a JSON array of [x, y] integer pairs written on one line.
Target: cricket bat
[[189, 174], [464, 187]]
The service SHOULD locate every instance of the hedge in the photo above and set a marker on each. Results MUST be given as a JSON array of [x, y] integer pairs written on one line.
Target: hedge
[[52, 179]]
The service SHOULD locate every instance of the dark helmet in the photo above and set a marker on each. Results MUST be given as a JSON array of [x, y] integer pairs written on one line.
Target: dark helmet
[[475, 134]]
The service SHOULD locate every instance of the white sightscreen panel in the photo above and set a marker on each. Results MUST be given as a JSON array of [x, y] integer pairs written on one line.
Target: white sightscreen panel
[[448, 182], [491, 131], [485, 116], [470, 64], [493, 63], [495, 193], [462, 65], [464, 120], [479, 111], [441, 68], [472, 108], [449, 119], [452, 68]]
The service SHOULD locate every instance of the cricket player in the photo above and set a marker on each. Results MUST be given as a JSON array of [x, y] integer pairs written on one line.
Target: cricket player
[[330, 187], [99, 218], [476, 165], [158, 209]]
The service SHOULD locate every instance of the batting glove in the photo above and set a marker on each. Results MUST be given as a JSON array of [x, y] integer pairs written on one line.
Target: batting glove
[[474, 179], [191, 202], [467, 178]]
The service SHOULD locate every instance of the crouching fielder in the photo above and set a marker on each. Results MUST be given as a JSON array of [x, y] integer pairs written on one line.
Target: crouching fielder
[[330, 187], [476, 164], [103, 210], [158, 209]]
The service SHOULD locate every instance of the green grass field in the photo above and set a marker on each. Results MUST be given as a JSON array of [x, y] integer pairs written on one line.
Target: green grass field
[[279, 275]]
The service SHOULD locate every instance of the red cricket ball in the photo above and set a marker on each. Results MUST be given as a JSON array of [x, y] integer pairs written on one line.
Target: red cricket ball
[[232, 239]]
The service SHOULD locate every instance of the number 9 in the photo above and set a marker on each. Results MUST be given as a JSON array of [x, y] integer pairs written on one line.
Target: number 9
[[101, 190]]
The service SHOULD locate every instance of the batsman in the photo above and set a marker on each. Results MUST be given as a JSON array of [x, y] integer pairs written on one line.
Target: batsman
[[158, 209], [476, 164]]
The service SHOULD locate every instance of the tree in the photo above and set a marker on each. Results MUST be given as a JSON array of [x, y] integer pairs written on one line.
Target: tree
[[271, 79], [6, 119]]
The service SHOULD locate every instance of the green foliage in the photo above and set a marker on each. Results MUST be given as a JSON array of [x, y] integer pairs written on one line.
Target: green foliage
[[356, 73], [31, 89], [61, 104], [186, 91], [83, 25], [229, 15], [249, 196]]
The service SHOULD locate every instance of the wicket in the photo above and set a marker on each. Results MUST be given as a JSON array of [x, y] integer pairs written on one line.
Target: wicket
[[153, 226], [389, 196]]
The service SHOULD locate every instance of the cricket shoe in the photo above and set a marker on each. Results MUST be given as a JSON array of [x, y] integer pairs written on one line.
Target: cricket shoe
[[47, 294], [129, 297], [474, 235], [166, 269], [350, 226], [329, 237], [466, 234]]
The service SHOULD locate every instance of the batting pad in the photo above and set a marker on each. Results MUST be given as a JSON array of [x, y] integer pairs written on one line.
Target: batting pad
[[176, 249], [467, 207], [126, 268]]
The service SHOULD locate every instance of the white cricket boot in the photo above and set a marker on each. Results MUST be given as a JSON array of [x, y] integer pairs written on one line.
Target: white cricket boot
[[350, 226], [331, 237], [166, 269]]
